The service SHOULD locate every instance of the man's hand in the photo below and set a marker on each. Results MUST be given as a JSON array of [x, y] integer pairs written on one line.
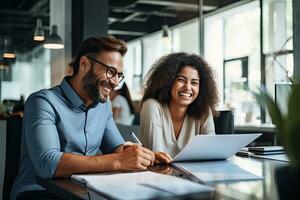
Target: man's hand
[[135, 157], [162, 157]]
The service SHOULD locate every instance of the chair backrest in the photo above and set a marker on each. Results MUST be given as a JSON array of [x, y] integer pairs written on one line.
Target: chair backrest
[[136, 119], [13, 148], [224, 123], [125, 131]]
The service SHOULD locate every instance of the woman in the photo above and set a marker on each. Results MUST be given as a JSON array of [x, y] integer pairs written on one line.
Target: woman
[[179, 103], [122, 106]]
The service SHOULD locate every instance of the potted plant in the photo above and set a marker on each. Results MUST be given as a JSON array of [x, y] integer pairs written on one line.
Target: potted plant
[[288, 133]]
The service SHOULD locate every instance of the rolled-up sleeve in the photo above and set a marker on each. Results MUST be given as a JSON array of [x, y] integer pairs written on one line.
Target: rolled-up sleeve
[[41, 136]]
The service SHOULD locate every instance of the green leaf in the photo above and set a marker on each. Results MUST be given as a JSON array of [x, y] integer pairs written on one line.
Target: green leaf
[[292, 128], [294, 104], [264, 99]]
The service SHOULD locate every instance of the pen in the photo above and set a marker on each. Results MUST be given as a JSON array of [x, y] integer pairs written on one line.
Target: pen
[[136, 140]]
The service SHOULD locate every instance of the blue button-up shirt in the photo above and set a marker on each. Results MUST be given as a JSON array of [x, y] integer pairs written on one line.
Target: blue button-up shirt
[[56, 121]]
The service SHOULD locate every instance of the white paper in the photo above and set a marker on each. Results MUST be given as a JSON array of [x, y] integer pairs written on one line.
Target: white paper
[[140, 185], [214, 147], [217, 171]]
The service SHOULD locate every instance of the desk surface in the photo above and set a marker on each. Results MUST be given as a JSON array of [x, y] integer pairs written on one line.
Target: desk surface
[[258, 189]]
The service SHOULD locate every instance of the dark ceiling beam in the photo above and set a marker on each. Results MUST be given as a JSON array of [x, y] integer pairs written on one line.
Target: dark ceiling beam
[[117, 14], [126, 37], [131, 26], [218, 3], [191, 6], [121, 3], [184, 16], [13, 13], [148, 8], [19, 25], [153, 24], [15, 20]]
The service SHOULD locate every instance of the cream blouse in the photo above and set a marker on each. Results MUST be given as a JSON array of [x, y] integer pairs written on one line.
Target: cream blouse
[[157, 131]]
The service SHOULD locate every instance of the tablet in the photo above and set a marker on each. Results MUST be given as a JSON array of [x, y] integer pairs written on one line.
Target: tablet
[[214, 147]]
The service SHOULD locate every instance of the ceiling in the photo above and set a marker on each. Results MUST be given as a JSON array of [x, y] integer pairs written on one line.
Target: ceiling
[[128, 19]]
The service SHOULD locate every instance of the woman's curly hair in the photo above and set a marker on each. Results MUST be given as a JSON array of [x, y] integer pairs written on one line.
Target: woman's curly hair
[[163, 73]]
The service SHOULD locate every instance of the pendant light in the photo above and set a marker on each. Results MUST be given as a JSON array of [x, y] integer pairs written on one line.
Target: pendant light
[[8, 50], [54, 41], [39, 33]]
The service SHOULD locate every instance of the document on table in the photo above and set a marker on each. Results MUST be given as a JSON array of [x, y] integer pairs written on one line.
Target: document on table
[[214, 147], [140, 185], [216, 171]]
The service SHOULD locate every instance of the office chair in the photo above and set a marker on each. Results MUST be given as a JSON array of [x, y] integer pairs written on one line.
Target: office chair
[[125, 131], [136, 119], [12, 156], [224, 123]]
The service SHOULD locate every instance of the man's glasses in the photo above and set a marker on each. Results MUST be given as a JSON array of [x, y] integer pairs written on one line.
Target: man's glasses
[[110, 71]]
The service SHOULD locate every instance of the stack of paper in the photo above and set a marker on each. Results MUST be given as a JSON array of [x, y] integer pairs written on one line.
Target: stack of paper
[[217, 171], [140, 185]]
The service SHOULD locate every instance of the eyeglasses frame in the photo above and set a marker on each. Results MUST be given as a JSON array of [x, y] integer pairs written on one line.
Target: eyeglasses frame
[[109, 68]]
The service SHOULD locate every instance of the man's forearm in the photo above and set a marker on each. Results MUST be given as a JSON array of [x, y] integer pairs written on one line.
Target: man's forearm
[[70, 164]]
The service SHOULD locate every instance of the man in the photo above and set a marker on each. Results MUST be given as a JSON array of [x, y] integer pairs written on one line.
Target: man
[[65, 126]]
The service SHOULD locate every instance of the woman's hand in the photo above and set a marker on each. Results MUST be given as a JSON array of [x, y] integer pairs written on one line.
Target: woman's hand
[[162, 157], [162, 169]]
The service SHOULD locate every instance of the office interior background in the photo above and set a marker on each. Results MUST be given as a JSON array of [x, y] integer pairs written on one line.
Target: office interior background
[[248, 43]]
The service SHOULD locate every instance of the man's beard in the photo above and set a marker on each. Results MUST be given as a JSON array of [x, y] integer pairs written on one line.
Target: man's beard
[[91, 85]]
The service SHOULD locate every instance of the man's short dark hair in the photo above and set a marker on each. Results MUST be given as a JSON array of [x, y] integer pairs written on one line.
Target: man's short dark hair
[[94, 45]]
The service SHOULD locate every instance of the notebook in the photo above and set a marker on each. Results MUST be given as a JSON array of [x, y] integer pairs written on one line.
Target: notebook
[[267, 150], [214, 147]]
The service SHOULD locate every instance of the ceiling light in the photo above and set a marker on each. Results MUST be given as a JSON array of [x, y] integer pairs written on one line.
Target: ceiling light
[[165, 36], [165, 31], [54, 41], [39, 33], [8, 50]]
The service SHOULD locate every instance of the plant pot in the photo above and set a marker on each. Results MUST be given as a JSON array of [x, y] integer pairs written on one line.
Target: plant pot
[[288, 182]]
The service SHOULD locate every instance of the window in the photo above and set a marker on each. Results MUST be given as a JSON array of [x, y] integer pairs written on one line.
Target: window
[[232, 44], [133, 68], [186, 37], [154, 47], [30, 72]]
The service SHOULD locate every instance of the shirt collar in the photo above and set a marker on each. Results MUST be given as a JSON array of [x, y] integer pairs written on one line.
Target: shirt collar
[[72, 95]]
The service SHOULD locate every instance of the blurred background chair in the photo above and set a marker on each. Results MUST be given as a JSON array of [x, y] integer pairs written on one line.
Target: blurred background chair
[[12, 153], [125, 131], [224, 123], [136, 119]]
